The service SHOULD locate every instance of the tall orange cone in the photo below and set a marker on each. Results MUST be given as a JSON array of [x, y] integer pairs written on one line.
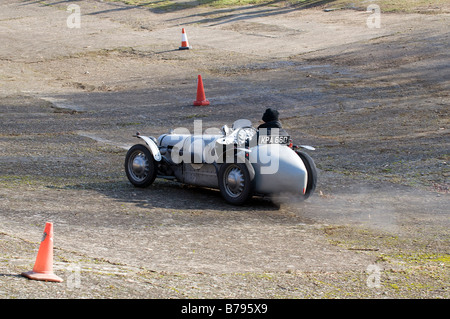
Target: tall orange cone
[[184, 41], [201, 98], [43, 267]]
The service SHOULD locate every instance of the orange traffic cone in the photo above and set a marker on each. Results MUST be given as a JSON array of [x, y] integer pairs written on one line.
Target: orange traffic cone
[[43, 267], [184, 41], [201, 98]]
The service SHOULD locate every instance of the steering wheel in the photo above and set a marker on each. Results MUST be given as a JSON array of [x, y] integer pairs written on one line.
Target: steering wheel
[[244, 133]]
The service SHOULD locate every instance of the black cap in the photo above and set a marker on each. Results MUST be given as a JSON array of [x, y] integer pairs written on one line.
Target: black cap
[[270, 115]]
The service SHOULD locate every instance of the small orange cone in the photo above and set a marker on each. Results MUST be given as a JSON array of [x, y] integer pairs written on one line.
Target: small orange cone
[[184, 41], [43, 267], [201, 98]]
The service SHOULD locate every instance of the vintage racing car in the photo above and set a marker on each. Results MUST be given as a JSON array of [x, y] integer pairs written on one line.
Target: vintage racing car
[[240, 162]]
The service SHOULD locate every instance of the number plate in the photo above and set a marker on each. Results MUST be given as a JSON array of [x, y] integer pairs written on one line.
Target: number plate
[[274, 139]]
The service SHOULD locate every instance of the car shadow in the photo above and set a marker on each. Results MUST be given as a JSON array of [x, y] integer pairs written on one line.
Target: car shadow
[[171, 195]]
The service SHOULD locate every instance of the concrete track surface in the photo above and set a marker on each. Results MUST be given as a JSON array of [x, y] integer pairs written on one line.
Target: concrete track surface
[[373, 101]]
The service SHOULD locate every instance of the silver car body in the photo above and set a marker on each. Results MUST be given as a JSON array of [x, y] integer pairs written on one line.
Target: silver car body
[[197, 160]]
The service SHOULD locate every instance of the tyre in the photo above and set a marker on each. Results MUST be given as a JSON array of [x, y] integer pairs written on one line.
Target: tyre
[[312, 173], [235, 184], [140, 166]]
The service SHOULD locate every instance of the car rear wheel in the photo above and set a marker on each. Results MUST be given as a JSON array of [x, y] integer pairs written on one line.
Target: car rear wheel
[[140, 166], [235, 183], [312, 174]]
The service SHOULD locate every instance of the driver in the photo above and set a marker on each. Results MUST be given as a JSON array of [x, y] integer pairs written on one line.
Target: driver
[[270, 119]]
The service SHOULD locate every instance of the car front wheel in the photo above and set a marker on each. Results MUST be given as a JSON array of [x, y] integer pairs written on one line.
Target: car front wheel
[[140, 166]]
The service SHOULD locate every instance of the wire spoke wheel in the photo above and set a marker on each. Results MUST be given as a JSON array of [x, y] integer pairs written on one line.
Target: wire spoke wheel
[[234, 183]]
